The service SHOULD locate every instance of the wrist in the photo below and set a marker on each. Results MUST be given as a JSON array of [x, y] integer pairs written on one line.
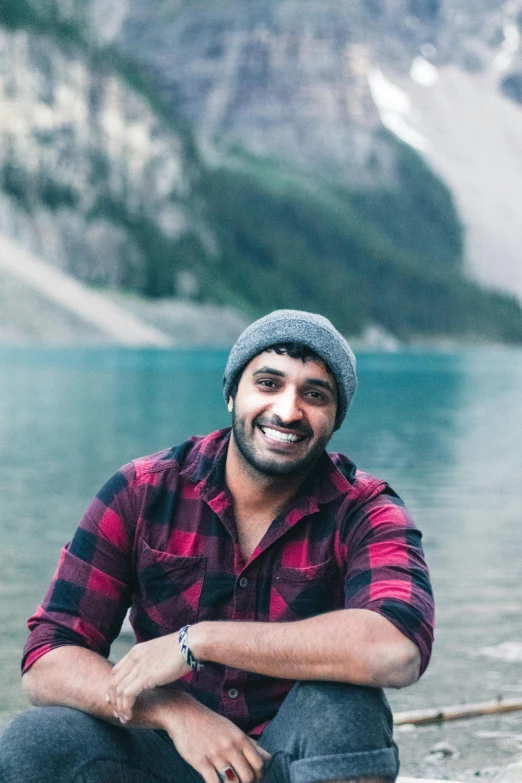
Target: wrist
[[155, 710], [151, 709], [174, 714], [197, 636]]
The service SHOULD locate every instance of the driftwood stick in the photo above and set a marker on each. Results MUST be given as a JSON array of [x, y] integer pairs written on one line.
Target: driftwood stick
[[457, 712]]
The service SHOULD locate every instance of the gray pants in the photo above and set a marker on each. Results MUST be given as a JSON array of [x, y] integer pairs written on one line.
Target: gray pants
[[323, 731]]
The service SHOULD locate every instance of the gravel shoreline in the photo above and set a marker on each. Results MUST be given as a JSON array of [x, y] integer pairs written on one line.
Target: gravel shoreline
[[461, 750]]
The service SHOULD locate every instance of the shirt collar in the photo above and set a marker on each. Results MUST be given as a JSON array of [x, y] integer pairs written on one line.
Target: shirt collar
[[205, 465], [206, 468]]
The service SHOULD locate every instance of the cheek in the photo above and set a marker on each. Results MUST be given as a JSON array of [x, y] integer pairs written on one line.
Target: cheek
[[246, 411], [250, 406], [324, 428]]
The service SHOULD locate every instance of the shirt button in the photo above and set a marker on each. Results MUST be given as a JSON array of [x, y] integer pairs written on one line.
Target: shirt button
[[243, 581], [233, 693]]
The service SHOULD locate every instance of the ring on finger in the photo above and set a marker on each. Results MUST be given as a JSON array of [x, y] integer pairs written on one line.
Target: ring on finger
[[228, 775]]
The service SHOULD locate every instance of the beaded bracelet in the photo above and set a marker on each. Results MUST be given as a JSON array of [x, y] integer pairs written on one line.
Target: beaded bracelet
[[191, 660]]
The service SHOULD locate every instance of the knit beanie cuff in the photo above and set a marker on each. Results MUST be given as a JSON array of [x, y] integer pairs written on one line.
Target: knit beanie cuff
[[297, 326]]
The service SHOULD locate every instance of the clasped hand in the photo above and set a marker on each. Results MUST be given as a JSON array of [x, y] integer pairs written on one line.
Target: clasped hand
[[207, 741], [146, 666]]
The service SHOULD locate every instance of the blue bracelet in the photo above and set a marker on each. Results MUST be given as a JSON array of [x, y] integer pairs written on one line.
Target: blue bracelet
[[191, 660]]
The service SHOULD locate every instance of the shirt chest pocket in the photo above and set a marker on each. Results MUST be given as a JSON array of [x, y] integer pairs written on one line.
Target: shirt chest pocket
[[298, 593], [169, 589]]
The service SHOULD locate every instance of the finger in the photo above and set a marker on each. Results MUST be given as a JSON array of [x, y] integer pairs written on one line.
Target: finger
[[109, 700], [118, 693], [208, 772], [122, 664], [255, 759], [126, 694], [244, 772], [130, 690], [110, 696], [118, 666], [130, 695], [264, 753], [114, 682], [122, 670], [226, 772]]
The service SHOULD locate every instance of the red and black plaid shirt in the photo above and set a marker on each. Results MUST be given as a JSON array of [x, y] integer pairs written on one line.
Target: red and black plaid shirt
[[160, 536]]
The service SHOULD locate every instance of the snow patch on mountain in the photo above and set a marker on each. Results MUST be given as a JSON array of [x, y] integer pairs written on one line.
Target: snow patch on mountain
[[473, 140], [395, 109]]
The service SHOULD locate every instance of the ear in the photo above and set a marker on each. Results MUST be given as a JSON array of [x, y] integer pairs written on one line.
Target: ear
[[230, 404]]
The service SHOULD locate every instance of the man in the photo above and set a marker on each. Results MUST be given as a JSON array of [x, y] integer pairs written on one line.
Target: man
[[274, 590]]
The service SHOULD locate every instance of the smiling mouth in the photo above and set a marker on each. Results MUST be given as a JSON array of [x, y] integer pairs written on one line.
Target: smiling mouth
[[280, 437]]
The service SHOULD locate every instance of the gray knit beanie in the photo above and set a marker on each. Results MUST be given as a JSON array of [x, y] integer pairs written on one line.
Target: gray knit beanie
[[297, 326]]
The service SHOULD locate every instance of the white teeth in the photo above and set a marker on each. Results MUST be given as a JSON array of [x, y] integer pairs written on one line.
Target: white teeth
[[280, 436]]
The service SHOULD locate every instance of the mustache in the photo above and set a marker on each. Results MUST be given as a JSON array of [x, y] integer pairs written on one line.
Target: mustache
[[296, 426]]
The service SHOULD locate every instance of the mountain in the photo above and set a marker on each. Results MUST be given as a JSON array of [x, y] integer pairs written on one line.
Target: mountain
[[236, 153], [95, 177], [295, 81]]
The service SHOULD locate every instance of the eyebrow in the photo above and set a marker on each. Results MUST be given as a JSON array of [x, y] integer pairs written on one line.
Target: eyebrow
[[270, 371], [311, 381]]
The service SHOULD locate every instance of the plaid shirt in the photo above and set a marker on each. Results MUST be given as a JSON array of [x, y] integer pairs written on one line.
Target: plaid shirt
[[160, 537]]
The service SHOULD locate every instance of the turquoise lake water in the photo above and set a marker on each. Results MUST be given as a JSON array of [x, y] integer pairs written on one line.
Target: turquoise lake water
[[444, 429]]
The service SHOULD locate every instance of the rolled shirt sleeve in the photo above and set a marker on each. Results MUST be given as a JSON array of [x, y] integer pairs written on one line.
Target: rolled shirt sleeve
[[386, 569], [91, 589]]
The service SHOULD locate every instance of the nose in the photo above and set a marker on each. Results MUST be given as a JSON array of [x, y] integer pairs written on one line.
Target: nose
[[287, 406]]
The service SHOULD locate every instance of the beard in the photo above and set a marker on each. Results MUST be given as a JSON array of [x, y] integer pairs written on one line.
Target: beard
[[274, 467]]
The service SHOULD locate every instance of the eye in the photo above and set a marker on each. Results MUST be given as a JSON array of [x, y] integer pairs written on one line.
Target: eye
[[315, 395], [266, 383]]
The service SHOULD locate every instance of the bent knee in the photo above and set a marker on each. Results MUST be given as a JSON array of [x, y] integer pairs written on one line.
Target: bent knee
[[345, 710], [320, 719], [41, 742]]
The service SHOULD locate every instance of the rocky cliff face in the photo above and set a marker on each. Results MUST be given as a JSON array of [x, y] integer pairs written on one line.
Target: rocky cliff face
[[293, 81], [84, 160], [291, 78], [277, 79]]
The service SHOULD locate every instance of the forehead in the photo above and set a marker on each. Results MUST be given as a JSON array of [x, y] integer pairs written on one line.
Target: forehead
[[295, 368]]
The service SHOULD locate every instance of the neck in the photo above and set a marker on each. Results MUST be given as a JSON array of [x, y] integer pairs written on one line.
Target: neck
[[256, 491]]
